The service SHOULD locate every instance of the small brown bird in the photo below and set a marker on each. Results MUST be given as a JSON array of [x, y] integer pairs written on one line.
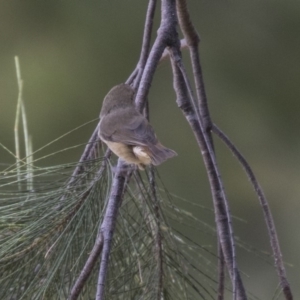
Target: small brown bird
[[127, 132]]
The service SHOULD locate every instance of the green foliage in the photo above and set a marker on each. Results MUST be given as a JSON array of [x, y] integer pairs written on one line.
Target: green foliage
[[48, 231]]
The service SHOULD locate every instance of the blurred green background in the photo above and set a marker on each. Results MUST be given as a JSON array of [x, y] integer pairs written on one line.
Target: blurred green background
[[73, 52]]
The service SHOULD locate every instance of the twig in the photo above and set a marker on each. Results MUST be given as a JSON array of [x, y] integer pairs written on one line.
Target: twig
[[87, 269], [146, 42], [266, 210], [222, 214], [162, 40], [97, 248], [109, 223], [135, 77], [192, 41], [87, 154], [132, 76]]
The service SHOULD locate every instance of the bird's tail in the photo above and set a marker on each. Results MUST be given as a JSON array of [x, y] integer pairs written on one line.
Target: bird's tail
[[160, 153]]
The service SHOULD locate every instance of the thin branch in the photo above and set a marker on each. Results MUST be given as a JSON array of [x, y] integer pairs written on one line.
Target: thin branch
[[132, 76], [135, 77], [97, 248], [87, 269], [145, 49], [192, 39], [168, 22], [109, 223], [89, 152], [147, 33], [266, 210], [223, 219]]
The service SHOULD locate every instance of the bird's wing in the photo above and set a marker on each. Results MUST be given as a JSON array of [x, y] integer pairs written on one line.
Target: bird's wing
[[127, 126]]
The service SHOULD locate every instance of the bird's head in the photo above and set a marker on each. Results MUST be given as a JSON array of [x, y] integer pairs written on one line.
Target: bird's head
[[120, 96]]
